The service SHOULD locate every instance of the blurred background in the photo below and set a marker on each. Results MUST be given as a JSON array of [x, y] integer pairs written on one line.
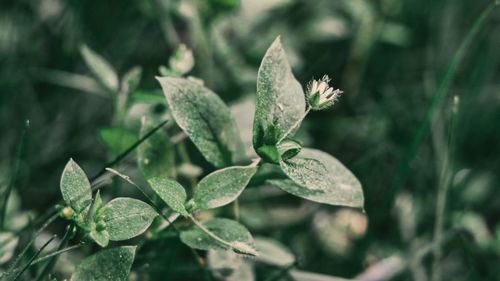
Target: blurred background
[[410, 124]]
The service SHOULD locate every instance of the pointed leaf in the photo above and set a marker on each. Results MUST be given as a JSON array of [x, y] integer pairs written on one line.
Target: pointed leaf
[[319, 177], [223, 186], [100, 68], [75, 187], [204, 117], [110, 264], [126, 218], [171, 192], [280, 98]]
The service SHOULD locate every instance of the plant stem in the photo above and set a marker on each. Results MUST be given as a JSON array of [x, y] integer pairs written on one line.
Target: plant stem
[[403, 167], [33, 258], [56, 253], [442, 192], [295, 125], [17, 163]]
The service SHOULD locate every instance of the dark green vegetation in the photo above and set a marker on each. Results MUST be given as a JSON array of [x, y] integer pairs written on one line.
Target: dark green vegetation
[[418, 125]]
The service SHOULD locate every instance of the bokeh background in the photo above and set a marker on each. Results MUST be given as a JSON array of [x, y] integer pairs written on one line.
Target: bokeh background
[[394, 127]]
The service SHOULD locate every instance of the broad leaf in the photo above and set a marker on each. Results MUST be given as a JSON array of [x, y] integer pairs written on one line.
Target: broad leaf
[[100, 68], [117, 140], [273, 252], [110, 264], [319, 177], [75, 187], [126, 218], [204, 117], [156, 155], [223, 186], [280, 99], [228, 230], [171, 192]]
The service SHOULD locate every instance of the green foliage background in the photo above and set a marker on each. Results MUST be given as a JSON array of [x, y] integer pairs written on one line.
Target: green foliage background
[[388, 56]]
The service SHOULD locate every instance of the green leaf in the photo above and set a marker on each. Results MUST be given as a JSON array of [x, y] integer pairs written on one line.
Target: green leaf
[[204, 117], [222, 186], [171, 192], [110, 264], [131, 79], [126, 218], [319, 177], [75, 187], [101, 68], [101, 237], [228, 230], [117, 140], [156, 155], [228, 266], [280, 98], [273, 252]]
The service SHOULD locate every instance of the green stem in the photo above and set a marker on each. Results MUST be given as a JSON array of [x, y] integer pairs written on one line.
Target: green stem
[[403, 167], [56, 253], [20, 147], [33, 258], [442, 192]]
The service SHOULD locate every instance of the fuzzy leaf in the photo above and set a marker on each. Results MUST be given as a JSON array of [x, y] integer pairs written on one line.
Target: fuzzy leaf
[[228, 230], [280, 98], [110, 264], [171, 192], [101, 68], [319, 177], [223, 186], [126, 218], [204, 117], [75, 187], [156, 155]]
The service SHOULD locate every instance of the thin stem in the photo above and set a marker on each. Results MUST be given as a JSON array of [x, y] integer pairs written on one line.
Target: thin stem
[[403, 167], [25, 250], [128, 151], [33, 258], [442, 192], [56, 253], [295, 125], [50, 264], [17, 163]]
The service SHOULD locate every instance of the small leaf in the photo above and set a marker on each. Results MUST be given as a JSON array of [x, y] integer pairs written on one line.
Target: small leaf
[[131, 79], [156, 155], [222, 186], [75, 187], [100, 68], [273, 252], [117, 140], [126, 218], [171, 192], [204, 117], [100, 237], [319, 177], [288, 148], [280, 98], [228, 230], [110, 264]]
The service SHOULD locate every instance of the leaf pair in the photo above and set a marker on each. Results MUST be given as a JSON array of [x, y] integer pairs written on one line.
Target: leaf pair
[[120, 219], [215, 190]]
